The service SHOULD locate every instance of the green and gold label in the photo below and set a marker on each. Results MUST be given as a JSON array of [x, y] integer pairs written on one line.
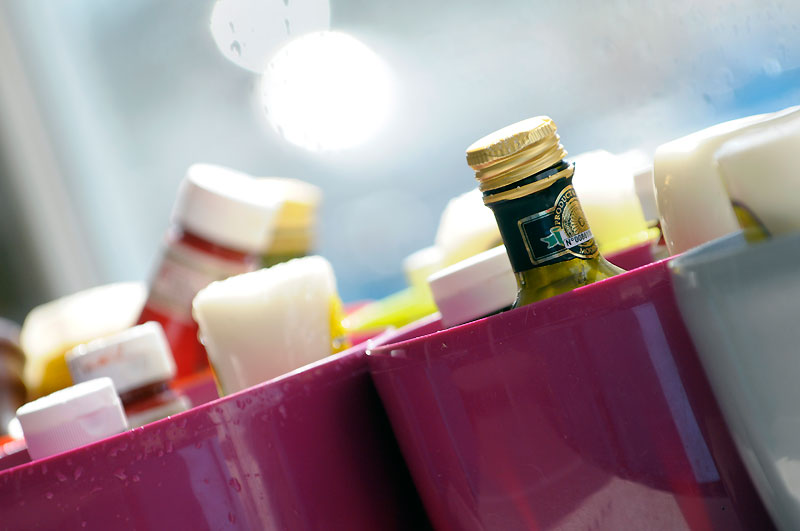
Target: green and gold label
[[556, 231]]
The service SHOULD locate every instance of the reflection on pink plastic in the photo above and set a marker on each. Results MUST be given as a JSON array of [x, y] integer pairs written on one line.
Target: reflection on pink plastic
[[585, 411], [310, 450]]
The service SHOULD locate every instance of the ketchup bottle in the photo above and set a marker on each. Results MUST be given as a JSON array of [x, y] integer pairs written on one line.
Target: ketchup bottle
[[221, 226]]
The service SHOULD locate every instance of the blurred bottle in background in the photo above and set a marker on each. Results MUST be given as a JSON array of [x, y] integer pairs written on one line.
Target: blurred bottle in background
[[53, 328], [139, 362], [222, 225], [295, 228], [12, 362]]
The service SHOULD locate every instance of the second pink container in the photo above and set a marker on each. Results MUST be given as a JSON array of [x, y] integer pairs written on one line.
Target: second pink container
[[585, 411]]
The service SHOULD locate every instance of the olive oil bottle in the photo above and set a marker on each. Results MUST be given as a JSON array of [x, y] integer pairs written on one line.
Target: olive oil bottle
[[526, 182]]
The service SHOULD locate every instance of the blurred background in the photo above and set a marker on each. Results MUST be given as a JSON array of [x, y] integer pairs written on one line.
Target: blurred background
[[103, 105]]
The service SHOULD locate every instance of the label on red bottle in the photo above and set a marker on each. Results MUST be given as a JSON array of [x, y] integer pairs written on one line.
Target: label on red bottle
[[182, 273]]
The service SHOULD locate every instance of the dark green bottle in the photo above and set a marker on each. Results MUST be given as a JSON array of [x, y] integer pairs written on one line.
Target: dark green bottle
[[528, 185]]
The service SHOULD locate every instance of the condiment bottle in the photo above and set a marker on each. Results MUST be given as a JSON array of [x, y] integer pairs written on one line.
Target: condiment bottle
[[53, 328], [693, 203], [263, 324], [12, 361], [222, 224], [477, 287], [528, 185], [760, 173], [72, 417], [295, 224], [140, 364]]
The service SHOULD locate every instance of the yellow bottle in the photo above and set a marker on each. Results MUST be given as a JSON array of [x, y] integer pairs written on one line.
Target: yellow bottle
[[528, 185]]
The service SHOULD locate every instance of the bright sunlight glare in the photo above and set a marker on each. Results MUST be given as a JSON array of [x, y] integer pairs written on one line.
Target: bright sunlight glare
[[327, 91]]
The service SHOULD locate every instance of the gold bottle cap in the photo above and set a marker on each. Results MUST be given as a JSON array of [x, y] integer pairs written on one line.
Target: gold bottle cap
[[515, 152]]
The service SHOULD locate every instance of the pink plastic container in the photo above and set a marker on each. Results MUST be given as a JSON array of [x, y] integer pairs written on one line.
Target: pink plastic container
[[310, 450], [585, 411]]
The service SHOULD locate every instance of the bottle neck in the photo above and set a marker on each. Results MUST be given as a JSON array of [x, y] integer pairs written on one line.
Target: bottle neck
[[546, 225]]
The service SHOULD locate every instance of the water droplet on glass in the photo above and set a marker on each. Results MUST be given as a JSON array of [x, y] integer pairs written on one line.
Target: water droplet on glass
[[77, 472], [236, 48], [233, 30], [286, 3], [232, 518], [282, 410], [234, 483], [83, 524], [49, 495], [121, 475], [288, 28], [61, 477], [136, 478]]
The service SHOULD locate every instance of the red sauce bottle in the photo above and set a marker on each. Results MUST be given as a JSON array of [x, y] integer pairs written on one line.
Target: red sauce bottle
[[221, 226]]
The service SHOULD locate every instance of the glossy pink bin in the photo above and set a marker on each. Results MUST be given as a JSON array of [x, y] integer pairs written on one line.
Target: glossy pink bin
[[310, 450], [585, 411]]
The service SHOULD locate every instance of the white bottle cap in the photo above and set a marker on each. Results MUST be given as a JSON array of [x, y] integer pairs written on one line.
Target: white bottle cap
[[226, 207], [475, 287], [132, 358], [72, 417], [760, 172]]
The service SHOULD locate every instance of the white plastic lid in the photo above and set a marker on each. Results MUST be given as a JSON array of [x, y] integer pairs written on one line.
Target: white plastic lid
[[760, 173], [72, 417], [475, 287], [227, 207], [132, 358]]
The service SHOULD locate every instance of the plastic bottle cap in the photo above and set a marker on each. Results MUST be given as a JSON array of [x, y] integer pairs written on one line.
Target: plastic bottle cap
[[260, 325], [133, 358], [226, 207], [72, 417], [759, 170], [475, 287]]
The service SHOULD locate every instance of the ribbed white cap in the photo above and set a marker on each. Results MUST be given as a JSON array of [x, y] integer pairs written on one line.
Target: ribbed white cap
[[132, 358], [227, 207], [72, 417], [475, 287]]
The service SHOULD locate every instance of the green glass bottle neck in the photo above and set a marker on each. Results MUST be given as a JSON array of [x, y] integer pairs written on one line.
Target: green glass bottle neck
[[544, 227]]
